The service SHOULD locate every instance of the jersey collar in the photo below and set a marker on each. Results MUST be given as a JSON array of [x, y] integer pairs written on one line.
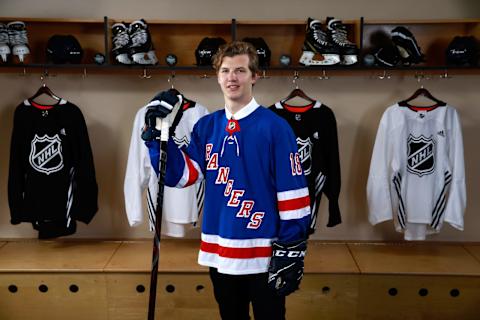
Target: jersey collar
[[245, 111]]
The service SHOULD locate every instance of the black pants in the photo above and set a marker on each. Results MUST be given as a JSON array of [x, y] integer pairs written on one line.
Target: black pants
[[235, 292]]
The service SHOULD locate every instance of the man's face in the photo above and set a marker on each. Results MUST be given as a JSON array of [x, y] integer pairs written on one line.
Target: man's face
[[236, 79]]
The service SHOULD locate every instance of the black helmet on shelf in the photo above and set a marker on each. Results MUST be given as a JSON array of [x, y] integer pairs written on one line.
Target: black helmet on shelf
[[206, 49], [462, 51], [64, 49], [387, 56], [263, 51]]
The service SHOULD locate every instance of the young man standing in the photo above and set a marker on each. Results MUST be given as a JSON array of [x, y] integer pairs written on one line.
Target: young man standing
[[257, 208]]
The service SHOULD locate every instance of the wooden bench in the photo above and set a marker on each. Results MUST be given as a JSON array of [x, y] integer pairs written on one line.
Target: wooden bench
[[83, 279]]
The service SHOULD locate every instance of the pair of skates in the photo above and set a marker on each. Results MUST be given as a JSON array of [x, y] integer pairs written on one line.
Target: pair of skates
[[132, 43], [13, 40], [331, 44]]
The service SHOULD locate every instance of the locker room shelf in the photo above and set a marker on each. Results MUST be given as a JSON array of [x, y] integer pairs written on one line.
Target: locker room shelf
[[56, 256], [110, 280], [415, 259], [175, 256], [181, 37], [329, 258], [474, 251]]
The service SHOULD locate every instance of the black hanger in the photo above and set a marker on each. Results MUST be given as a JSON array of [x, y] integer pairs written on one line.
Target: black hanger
[[298, 93], [44, 90], [421, 92]]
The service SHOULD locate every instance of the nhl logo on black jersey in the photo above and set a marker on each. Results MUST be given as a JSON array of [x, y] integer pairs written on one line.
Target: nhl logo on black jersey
[[46, 154], [305, 153], [421, 155]]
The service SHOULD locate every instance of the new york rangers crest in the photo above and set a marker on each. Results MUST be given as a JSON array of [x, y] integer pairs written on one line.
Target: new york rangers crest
[[421, 155], [305, 152], [46, 154]]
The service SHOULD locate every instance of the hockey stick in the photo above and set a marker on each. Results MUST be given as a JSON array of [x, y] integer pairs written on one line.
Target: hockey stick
[[158, 217], [163, 126]]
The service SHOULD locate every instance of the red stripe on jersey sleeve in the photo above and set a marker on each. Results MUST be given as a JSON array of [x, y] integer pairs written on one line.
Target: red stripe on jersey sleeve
[[238, 253], [294, 204], [192, 171]]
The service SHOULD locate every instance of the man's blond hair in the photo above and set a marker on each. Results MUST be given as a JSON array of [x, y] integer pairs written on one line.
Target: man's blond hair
[[236, 48]]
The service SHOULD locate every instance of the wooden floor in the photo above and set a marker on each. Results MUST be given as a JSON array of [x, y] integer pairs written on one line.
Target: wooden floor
[[110, 280]]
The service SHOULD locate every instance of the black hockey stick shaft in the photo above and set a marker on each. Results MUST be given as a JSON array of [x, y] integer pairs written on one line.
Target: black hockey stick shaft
[[158, 228]]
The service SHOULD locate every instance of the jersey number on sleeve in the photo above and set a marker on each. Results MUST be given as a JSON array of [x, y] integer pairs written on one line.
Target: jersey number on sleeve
[[295, 164]]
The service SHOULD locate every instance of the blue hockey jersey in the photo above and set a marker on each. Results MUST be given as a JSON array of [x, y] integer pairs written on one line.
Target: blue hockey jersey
[[255, 189]]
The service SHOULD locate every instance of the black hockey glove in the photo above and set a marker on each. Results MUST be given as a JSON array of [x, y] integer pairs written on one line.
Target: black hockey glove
[[161, 106], [286, 266]]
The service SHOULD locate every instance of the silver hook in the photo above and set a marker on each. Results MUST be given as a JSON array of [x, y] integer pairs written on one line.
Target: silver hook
[[43, 77], [445, 75], [145, 74], [385, 75], [295, 78], [205, 76], [264, 75], [419, 76], [24, 72], [171, 80], [324, 75]]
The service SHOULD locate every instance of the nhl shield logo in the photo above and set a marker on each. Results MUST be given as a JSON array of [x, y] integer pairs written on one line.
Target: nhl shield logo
[[305, 153], [421, 155], [46, 154]]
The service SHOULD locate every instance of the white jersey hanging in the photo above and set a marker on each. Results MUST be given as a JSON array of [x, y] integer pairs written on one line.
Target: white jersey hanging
[[417, 175], [181, 207]]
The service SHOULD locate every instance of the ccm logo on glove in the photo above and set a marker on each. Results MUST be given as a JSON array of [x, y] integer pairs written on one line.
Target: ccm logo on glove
[[289, 254]]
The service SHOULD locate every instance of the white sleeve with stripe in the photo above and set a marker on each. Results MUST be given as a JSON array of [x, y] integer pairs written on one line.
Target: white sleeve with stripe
[[378, 184]]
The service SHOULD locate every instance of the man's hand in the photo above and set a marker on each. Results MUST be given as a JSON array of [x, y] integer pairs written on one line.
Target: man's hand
[[286, 266]]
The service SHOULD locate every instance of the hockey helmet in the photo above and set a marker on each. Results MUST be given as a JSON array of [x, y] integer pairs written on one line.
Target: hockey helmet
[[263, 51], [462, 51], [64, 49], [407, 46], [206, 49], [387, 56]]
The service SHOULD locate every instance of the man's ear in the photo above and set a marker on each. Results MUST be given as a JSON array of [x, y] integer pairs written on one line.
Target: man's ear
[[254, 78]]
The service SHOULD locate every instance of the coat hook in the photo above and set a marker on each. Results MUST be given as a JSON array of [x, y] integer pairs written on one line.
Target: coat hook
[[205, 76], [419, 76], [171, 80], [295, 78], [445, 75], [24, 72], [324, 75], [145, 74], [264, 74], [385, 75]]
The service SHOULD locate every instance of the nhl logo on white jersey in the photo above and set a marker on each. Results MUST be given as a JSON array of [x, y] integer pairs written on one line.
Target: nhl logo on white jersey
[[421, 155], [305, 152], [46, 154]]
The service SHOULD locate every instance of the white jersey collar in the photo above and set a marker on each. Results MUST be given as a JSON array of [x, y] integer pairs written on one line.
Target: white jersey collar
[[245, 111]]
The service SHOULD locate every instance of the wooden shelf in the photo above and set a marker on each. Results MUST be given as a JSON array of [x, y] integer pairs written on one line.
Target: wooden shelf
[[181, 37]]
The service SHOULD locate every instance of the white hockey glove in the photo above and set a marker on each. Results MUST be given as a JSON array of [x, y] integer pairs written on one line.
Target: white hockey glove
[[286, 266], [161, 112]]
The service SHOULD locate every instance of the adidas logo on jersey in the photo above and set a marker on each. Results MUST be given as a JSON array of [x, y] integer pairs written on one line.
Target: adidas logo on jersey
[[441, 133]]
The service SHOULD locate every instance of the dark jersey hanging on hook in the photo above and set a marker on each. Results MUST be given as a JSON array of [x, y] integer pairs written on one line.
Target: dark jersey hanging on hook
[[315, 128], [51, 181]]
